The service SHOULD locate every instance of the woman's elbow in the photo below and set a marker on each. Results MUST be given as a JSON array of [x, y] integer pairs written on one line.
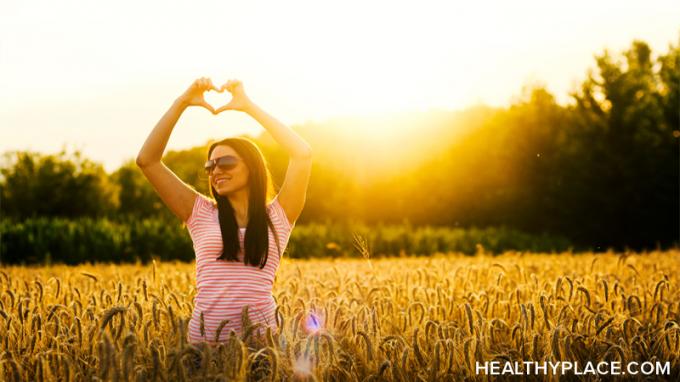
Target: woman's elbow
[[142, 161]]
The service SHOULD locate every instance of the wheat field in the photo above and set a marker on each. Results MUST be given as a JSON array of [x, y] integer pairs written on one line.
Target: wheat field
[[394, 319]]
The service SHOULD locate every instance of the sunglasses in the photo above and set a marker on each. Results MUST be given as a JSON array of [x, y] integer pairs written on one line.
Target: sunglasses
[[225, 163]]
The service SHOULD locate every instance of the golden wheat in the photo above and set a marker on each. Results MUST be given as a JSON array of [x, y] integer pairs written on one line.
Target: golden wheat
[[403, 319]]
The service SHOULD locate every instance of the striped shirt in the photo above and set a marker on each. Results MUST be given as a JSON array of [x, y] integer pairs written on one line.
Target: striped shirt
[[225, 287]]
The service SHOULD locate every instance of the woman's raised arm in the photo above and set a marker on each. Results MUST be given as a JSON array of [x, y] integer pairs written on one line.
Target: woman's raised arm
[[294, 188], [176, 194]]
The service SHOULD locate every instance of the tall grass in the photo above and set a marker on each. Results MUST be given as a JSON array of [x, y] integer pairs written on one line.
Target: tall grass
[[397, 319]]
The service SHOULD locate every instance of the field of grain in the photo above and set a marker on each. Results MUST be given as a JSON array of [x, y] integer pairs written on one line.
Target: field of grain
[[399, 319]]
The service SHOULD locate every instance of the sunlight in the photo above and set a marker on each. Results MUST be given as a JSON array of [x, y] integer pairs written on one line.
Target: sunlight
[[300, 60]]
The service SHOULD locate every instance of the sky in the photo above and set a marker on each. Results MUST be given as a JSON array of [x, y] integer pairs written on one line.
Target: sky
[[97, 76]]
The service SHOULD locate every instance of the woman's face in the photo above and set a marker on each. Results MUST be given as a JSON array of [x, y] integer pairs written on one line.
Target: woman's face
[[226, 182]]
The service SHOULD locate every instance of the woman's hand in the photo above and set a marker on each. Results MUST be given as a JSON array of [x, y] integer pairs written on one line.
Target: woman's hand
[[194, 95], [239, 99]]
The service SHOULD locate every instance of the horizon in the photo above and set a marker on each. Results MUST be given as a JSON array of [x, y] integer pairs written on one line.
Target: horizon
[[329, 72]]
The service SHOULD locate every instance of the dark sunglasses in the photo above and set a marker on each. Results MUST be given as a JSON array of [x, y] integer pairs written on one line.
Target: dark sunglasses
[[225, 163]]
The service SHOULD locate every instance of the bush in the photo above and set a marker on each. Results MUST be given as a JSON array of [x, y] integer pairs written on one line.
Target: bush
[[59, 240], [94, 240]]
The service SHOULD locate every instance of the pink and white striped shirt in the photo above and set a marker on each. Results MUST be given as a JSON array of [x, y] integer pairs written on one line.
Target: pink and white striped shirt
[[225, 287]]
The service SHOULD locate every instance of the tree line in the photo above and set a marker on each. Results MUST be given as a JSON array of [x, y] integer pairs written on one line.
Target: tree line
[[602, 170]]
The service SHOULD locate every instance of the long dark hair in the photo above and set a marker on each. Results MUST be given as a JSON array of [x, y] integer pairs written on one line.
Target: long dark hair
[[261, 189]]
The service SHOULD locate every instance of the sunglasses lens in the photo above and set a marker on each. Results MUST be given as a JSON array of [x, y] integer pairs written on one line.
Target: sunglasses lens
[[209, 166], [225, 163]]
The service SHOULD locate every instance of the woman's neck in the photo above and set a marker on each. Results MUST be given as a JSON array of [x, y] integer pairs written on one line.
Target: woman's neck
[[239, 202]]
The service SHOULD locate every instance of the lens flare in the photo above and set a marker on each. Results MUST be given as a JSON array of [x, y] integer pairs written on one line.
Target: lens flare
[[302, 366], [314, 322]]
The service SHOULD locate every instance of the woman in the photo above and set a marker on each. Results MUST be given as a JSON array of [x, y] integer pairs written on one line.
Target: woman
[[239, 234]]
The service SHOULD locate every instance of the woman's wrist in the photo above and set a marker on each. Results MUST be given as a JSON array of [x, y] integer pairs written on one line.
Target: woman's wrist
[[250, 107], [181, 103]]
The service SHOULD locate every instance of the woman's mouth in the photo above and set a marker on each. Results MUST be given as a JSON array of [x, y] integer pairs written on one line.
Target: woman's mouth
[[221, 180]]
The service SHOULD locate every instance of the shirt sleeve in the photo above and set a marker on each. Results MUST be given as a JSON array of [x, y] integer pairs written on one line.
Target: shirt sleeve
[[280, 216], [199, 213]]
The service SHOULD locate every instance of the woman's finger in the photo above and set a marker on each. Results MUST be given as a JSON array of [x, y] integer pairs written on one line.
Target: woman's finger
[[211, 86]]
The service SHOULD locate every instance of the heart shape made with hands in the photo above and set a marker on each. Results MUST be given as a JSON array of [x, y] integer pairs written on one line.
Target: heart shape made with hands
[[217, 99]]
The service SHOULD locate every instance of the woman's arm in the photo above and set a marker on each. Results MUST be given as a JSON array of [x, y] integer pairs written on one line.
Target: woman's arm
[[294, 188], [176, 194]]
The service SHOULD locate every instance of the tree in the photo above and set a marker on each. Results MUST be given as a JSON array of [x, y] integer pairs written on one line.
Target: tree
[[136, 196], [62, 184], [625, 168]]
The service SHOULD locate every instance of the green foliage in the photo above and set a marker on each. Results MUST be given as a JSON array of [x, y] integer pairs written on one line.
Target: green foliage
[[63, 184], [602, 171], [622, 159], [313, 240], [136, 196], [83, 240], [91, 240]]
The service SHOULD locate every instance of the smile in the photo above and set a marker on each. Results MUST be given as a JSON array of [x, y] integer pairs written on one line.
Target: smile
[[221, 180]]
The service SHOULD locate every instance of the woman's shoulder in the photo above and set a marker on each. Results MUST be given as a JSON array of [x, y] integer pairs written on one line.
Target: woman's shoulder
[[203, 206], [204, 202], [278, 214]]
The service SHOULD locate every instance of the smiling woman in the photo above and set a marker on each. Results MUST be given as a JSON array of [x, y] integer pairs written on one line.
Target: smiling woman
[[235, 232], [245, 176]]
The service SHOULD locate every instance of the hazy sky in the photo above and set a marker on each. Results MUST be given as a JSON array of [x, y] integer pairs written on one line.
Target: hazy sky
[[98, 75]]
